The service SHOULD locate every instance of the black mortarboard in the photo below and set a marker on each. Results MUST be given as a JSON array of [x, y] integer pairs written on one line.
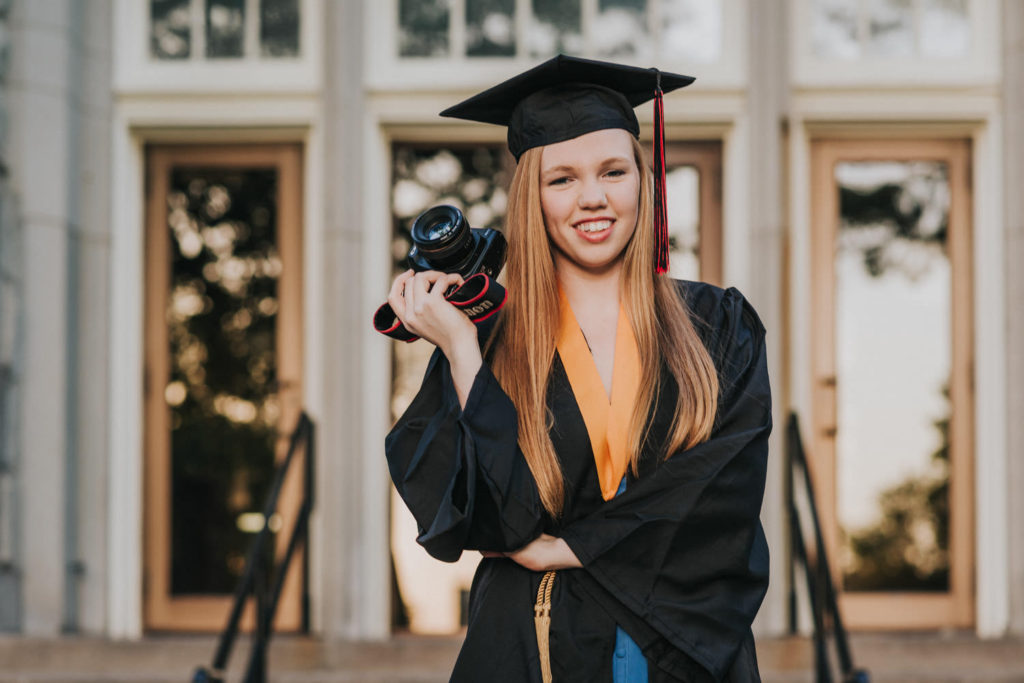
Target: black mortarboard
[[566, 97]]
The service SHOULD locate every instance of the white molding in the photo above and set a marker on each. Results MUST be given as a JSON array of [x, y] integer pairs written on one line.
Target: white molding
[[135, 71], [183, 119], [124, 512], [736, 219], [992, 532], [371, 576], [981, 66]]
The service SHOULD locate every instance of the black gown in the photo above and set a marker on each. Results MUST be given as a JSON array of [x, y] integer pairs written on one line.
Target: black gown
[[679, 560]]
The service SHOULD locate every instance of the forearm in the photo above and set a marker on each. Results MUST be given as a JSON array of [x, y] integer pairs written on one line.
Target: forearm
[[465, 359]]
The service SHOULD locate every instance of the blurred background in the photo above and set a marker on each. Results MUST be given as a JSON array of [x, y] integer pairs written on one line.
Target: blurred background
[[202, 202]]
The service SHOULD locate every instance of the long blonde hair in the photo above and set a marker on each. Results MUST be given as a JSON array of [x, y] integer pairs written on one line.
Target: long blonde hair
[[524, 344]]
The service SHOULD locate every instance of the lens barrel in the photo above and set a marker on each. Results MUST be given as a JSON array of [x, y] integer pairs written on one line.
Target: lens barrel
[[442, 236]]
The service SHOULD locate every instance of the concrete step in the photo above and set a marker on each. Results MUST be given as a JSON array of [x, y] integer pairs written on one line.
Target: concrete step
[[889, 658]]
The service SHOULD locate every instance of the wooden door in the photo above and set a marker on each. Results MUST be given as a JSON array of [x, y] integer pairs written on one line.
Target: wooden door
[[891, 365], [223, 334]]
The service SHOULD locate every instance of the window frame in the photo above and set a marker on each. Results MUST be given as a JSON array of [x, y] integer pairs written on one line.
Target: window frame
[[137, 71], [386, 70], [979, 66]]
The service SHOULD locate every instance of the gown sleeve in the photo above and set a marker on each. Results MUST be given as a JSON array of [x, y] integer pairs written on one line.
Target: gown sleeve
[[460, 471], [695, 522]]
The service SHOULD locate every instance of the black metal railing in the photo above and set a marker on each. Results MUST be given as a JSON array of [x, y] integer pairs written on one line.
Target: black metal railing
[[263, 578], [822, 592]]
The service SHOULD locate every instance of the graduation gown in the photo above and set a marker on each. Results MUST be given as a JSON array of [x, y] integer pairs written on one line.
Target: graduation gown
[[679, 560]]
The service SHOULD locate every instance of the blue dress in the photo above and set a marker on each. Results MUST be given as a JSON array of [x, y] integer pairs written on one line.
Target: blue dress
[[629, 664]]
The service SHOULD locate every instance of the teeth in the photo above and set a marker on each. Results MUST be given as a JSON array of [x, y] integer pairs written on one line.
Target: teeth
[[594, 226]]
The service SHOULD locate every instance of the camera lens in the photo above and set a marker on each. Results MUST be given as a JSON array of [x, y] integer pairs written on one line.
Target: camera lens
[[442, 236]]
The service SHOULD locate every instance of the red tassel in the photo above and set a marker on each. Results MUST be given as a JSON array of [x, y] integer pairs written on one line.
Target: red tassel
[[660, 207]]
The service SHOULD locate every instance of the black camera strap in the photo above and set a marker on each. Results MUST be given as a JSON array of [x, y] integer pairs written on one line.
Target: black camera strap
[[479, 297]]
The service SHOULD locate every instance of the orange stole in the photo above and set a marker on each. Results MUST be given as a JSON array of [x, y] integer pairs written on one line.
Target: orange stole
[[607, 423]]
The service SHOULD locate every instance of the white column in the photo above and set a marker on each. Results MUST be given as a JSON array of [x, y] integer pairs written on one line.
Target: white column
[[352, 504], [767, 92], [40, 160], [1013, 146]]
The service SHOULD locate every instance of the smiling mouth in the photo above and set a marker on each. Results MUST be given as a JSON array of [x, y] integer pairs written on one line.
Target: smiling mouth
[[593, 226]]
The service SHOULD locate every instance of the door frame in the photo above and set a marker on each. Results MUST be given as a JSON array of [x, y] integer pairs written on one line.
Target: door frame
[[161, 611], [897, 610]]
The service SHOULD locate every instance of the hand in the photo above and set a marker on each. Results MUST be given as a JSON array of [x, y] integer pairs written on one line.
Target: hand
[[542, 554], [418, 301]]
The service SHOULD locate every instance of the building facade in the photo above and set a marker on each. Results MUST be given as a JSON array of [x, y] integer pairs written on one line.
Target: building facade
[[203, 203]]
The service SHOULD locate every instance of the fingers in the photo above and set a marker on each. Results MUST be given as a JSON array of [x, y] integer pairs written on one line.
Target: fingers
[[395, 297]]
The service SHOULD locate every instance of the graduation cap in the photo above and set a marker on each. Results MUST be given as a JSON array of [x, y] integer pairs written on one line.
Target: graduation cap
[[566, 97]]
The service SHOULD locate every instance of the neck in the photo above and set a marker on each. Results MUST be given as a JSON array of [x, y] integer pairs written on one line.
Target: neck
[[585, 286]]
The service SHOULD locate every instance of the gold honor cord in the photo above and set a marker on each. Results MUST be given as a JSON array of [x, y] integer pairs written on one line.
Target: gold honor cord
[[542, 622]]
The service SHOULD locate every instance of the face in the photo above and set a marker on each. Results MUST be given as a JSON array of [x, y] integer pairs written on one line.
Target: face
[[590, 189]]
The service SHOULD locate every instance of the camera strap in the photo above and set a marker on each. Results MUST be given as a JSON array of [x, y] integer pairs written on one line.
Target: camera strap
[[479, 297]]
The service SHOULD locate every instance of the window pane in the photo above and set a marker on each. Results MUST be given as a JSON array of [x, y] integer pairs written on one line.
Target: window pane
[[555, 27], [423, 28], [890, 28], [620, 30], [490, 28], [691, 30], [279, 28], [893, 360], [225, 28], [945, 28], [834, 29], [222, 396], [682, 195], [169, 29]]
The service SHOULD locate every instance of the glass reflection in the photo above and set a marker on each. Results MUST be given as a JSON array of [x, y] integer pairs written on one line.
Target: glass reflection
[[490, 28], [475, 179], [225, 28], [893, 361], [170, 32], [834, 29], [620, 30], [279, 28], [891, 28], [691, 30], [945, 28], [555, 27], [423, 28], [682, 192], [221, 319]]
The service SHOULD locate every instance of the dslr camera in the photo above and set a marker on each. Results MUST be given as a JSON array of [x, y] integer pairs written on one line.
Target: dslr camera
[[442, 240]]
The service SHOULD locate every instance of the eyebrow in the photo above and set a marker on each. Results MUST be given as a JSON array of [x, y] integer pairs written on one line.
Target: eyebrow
[[565, 168]]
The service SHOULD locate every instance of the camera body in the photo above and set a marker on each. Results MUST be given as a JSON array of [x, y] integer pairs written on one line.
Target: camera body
[[444, 241]]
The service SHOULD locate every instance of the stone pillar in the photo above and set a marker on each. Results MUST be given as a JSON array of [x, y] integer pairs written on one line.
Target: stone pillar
[[40, 159], [352, 480], [767, 97], [1013, 151], [11, 354]]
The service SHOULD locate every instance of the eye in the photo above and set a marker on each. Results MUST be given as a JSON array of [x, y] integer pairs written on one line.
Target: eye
[[560, 180], [616, 172]]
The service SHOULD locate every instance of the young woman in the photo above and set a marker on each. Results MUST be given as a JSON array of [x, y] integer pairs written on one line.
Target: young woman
[[603, 440]]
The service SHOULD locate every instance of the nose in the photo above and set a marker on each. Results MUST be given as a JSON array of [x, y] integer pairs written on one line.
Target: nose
[[592, 194]]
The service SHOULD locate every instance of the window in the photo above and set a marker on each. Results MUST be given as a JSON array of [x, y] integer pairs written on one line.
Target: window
[[223, 47], [488, 36], [842, 29], [212, 29], [688, 30], [877, 42]]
